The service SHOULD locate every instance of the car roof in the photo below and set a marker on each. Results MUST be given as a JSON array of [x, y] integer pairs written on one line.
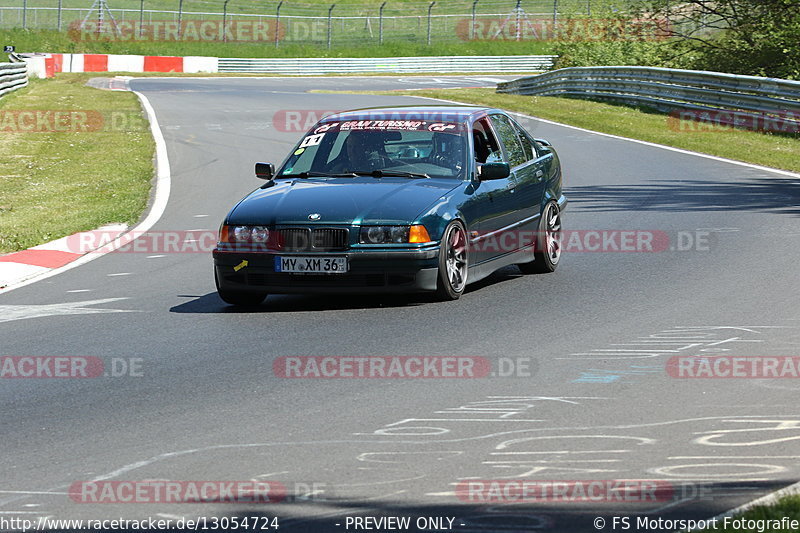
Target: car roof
[[452, 113]]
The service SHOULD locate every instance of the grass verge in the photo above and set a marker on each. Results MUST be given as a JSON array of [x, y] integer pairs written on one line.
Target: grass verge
[[777, 151], [76, 158], [766, 518]]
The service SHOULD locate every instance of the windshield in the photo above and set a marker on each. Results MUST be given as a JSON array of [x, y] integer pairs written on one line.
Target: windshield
[[381, 147]]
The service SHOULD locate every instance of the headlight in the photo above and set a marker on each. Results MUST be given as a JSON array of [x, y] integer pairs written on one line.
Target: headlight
[[241, 234], [259, 234], [375, 235], [392, 234], [398, 234], [244, 234]]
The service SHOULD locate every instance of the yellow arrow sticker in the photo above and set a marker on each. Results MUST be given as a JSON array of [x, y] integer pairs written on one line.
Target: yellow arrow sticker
[[240, 266]]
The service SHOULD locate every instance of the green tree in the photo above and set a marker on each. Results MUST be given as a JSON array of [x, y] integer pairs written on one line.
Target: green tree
[[757, 37]]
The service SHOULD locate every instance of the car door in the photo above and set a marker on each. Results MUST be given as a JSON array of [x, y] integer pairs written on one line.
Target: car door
[[523, 182], [493, 200], [532, 178]]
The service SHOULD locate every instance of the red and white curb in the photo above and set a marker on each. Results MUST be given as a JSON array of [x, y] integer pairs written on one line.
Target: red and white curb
[[22, 268], [47, 65]]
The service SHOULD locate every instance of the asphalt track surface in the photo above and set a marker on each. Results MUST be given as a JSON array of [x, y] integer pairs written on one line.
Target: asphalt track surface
[[597, 403]]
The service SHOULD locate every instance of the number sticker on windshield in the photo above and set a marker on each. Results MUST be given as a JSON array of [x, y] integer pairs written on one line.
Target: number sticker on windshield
[[312, 140]]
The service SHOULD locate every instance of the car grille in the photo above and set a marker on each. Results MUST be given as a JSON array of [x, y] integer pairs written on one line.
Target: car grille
[[312, 239]]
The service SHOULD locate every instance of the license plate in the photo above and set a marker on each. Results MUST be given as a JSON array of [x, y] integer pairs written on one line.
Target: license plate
[[317, 265]]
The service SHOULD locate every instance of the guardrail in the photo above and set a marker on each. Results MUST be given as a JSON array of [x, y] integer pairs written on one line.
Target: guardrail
[[328, 65], [12, 77], [669, 89]]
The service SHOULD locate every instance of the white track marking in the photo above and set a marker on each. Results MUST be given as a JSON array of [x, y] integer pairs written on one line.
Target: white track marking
[[21, 312]]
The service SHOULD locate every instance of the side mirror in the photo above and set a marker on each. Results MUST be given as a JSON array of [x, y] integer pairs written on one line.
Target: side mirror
[[494, 171], [265, 171], [543, 142]]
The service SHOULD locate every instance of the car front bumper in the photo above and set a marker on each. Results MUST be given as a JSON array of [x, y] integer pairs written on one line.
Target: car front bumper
[[385, 270]]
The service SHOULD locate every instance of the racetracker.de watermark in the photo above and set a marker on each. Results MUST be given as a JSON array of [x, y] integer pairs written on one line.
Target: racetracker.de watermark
[[70, 121], [197, 491], [605, 240], [571, 29], [733, 367], [716, 120], [69, 366], [173, 492], [577, 491], [402, 367], [205, 241], [186, 30]]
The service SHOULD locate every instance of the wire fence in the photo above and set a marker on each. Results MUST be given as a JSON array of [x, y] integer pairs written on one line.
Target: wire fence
[[288, 22]]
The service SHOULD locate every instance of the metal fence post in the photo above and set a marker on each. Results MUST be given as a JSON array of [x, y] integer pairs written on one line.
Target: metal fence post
[[472, 27], [58, 24], [141, 18], [24, 14], [225, 21], [380, 23], [555, 14], [180, 18], [277, 22], [430, 7], [330, 9]]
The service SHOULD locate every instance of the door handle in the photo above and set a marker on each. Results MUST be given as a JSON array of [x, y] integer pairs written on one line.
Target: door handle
[[539, 173]]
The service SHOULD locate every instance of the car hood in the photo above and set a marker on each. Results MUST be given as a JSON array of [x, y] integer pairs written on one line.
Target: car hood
[[341, 201]]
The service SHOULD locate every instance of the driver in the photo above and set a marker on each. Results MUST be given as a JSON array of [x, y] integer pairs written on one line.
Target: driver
[[361, 150]]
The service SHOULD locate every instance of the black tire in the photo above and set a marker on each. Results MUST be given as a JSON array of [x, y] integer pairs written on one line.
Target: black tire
[[453, 267], [242, 299], [547, 249]]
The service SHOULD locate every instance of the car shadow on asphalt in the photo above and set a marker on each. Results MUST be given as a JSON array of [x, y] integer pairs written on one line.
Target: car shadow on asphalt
[[775, 195], [616, 511], [291, 303], [672, 501]]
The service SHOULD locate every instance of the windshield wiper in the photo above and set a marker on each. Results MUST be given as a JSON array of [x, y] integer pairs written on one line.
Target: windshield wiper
[[312, 174], [390, 174]]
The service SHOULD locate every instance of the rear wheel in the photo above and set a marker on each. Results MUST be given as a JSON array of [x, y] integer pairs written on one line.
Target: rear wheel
[[452, 262], [547, 251], [243, 299]]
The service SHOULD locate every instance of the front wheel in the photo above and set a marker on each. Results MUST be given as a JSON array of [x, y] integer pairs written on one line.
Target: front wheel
[[547, 248], [452, 262]]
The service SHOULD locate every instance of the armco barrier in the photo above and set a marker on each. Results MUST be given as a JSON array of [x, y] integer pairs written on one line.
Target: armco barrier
[[12, 77], [331, 65], [669, 89]]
